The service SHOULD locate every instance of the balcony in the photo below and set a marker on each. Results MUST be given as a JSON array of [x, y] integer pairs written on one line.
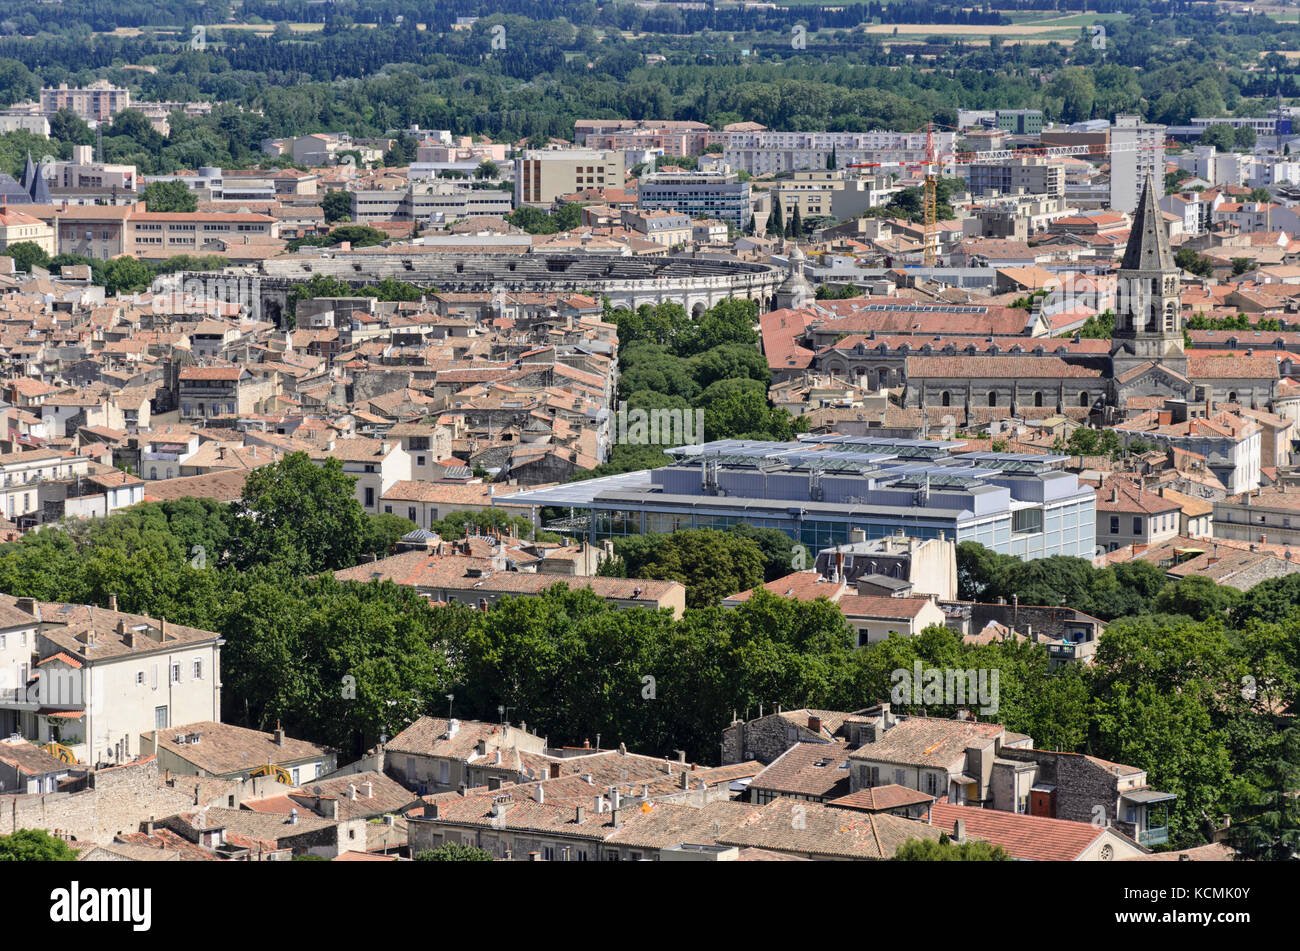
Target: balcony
[[1150, 837]]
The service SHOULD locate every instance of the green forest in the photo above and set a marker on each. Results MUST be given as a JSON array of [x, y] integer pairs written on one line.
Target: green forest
[[369, 73]]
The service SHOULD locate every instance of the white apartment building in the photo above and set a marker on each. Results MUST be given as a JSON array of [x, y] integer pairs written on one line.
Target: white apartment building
[[22, 473], [1136, 151], [105, 676], [761, 153], [376, 464]]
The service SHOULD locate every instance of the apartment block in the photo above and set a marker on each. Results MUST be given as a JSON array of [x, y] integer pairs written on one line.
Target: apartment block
[[98, 101], [1136, 152], [720, 195], [1034, 175], [543, 176]]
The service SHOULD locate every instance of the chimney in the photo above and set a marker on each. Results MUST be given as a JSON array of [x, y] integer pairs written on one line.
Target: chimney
[[369, 789], [814, 724], [616, 815], [279, 735], [959, 830], [555, 771], [112, 602], [681, 757], [148, 826], [27, 604], [578, 814], [686, 780], [352, 791], [431, 810], [539, 794]]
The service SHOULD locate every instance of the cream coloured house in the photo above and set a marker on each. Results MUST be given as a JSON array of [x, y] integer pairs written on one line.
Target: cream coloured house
[[17, 227], [105, 677]]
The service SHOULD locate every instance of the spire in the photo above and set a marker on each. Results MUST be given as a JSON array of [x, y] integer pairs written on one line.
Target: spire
[[29, 172], [40, 188], [1148, 241]]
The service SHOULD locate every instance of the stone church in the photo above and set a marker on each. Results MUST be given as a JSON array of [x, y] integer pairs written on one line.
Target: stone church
[[1148, 360]]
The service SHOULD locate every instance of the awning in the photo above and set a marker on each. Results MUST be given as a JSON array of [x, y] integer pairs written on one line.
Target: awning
[[1146, 796]]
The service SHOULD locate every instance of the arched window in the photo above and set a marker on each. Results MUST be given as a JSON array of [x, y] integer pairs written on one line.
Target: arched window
[[1232, 396], [945, 398], [993, 398], [1083, 399], [1038, 397]]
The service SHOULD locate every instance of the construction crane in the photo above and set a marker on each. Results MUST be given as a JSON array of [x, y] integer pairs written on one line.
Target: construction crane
[[934, 162]]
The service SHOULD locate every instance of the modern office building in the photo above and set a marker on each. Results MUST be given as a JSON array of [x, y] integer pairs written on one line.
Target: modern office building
[[830, 490], [720, 195], [1020, 121], [428, 202]]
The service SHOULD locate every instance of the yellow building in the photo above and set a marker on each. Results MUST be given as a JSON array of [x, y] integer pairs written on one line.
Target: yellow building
[[17, 227]]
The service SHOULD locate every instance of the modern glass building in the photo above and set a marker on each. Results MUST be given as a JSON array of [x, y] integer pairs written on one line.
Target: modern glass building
[[819, 489], [720, 195]]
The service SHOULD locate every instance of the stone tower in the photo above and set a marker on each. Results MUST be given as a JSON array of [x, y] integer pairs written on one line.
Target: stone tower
[[1148, 314]]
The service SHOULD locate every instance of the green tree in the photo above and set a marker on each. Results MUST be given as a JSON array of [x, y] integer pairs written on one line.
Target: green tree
[[34, 845], [68, 127], [169, 197], [1268, 830], [299, 515], [711, 564], [27, 254], [775, 225], [1198, 597], [454, 852], [337, 205], [944, 850], [126, 275], [487, 169], [1220, 135]]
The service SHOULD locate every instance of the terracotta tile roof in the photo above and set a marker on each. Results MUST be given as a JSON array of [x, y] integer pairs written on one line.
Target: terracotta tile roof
[[29, 758], [825, 831], [808, 769], [224, 748], [999, 367], [1026, 837], [1127, 496], [927, 741], [879, 606], [882, 798], [211, 373]]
